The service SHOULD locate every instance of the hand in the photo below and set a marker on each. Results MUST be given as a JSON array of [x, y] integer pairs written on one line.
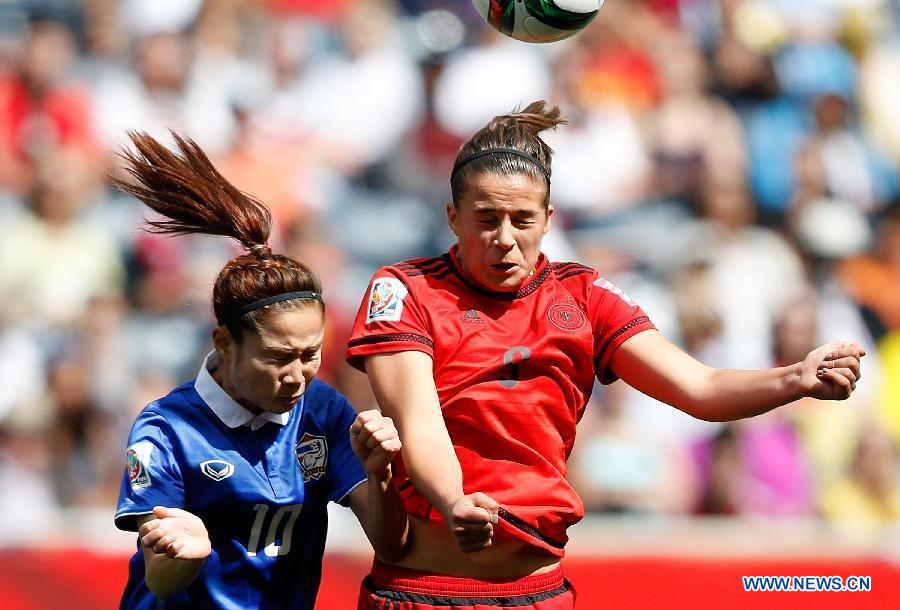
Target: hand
[[830, 372], [176, 533], [375, 441], [472, 520]]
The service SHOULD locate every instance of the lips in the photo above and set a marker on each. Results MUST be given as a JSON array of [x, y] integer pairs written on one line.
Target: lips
[[505, 268]]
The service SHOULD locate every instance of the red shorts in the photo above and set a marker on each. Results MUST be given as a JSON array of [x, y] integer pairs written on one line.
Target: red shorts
[[390, 587]]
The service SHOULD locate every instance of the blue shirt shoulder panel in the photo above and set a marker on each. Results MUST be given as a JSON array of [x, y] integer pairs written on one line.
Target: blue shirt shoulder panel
[[152, 473], [323, 445]]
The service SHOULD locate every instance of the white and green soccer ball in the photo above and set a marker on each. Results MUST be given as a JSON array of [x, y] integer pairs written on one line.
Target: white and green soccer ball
[[538, 20]]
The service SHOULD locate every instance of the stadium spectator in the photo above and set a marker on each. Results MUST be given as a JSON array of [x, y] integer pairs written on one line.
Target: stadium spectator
[[868, 496], [43, 108]]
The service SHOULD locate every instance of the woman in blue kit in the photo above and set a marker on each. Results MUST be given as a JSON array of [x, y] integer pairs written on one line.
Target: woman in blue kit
[[229, 475]]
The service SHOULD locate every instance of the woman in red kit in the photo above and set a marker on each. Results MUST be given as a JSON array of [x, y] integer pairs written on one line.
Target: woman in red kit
[[485, 358]]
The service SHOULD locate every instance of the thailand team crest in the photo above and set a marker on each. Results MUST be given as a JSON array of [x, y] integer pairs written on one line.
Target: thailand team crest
[[385, 300], [312, 453], [566, 316], [137, 460]]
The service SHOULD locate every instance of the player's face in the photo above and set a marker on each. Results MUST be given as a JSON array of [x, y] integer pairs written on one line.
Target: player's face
[[500, 222], [269, 371]]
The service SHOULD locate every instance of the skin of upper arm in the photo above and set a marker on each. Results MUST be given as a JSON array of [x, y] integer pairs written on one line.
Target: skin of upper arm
[[403, 383], [404, 386], [652, 364]]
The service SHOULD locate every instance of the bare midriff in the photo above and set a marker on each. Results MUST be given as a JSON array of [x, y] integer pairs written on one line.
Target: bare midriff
[[434, 550]]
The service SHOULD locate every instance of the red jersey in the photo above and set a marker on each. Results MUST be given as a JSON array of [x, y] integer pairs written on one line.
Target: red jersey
[[513, 371]]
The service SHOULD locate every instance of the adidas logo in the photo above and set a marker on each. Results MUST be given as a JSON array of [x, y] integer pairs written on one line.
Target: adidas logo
[[471, 317]]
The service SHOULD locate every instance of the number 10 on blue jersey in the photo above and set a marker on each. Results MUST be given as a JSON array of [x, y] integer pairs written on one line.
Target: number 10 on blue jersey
[[272, 548]]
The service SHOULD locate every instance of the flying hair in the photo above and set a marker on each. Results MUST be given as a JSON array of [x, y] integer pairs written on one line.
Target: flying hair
[[192, 195], [194, 198]]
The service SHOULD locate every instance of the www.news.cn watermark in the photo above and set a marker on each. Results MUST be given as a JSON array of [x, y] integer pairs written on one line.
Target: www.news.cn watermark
[[807, 583]]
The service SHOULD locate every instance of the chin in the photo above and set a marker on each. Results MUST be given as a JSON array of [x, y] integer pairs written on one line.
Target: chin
[[280, 407], [506, 283]]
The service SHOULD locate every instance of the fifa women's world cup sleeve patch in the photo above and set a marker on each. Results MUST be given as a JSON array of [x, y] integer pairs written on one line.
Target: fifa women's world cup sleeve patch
[[137, 461], [390, 319], [385, 302]]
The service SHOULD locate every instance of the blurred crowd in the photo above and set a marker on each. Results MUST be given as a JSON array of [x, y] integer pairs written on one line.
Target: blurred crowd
[[731, 164]]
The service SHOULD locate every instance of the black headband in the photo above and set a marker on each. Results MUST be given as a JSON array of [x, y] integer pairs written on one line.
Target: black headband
[[490, 151], [305, 294]]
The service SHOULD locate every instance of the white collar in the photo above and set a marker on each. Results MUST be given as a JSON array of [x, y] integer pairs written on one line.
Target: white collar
[[232, 413]]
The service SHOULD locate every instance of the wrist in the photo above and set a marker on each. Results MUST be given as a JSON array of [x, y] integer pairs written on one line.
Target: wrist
[[794, 382], [382, 477], [446, 510]]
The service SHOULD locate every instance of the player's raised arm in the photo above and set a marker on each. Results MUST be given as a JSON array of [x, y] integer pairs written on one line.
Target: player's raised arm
[[403, 383], [376, 503], [175, 544], [651, 364]]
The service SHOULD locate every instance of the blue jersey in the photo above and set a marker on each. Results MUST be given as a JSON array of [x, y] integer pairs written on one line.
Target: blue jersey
[[259, 483]]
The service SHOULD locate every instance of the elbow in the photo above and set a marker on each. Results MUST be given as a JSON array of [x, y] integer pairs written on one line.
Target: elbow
[[704, 410], [396, 550], [702, 401], [712, 418], [391, 555]]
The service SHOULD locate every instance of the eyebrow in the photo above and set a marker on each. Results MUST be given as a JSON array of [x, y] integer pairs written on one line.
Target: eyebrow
[[290, 350]]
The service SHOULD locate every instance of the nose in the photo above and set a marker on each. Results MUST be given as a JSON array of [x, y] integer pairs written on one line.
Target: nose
[[504, 238], [295, 374]]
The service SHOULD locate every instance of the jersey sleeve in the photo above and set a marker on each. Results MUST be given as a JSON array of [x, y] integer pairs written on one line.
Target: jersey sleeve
[[390, 319], [345, 471], [152, 475], [615, 318]]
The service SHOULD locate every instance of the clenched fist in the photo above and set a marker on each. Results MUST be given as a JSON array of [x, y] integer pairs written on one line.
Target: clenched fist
[[472, 521], [830, 372], [375, 441]]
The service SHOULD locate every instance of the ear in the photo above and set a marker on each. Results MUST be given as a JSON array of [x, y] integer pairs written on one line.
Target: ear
[[453, 218], [224, 343], [550, 210]]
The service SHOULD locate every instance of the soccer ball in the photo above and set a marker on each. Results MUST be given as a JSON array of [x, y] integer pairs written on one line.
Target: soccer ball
[[538, 20]]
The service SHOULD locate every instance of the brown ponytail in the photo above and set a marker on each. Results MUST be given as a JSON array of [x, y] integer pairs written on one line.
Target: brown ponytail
[[519, 130], [195, 198]]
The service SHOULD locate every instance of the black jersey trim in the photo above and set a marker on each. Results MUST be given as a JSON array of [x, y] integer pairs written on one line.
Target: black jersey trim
[[560, 267], [437, 273], [636, 322], [513, 601], [372, 339], [532, 531], [426, 266], [425, 262], [572, 273]]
